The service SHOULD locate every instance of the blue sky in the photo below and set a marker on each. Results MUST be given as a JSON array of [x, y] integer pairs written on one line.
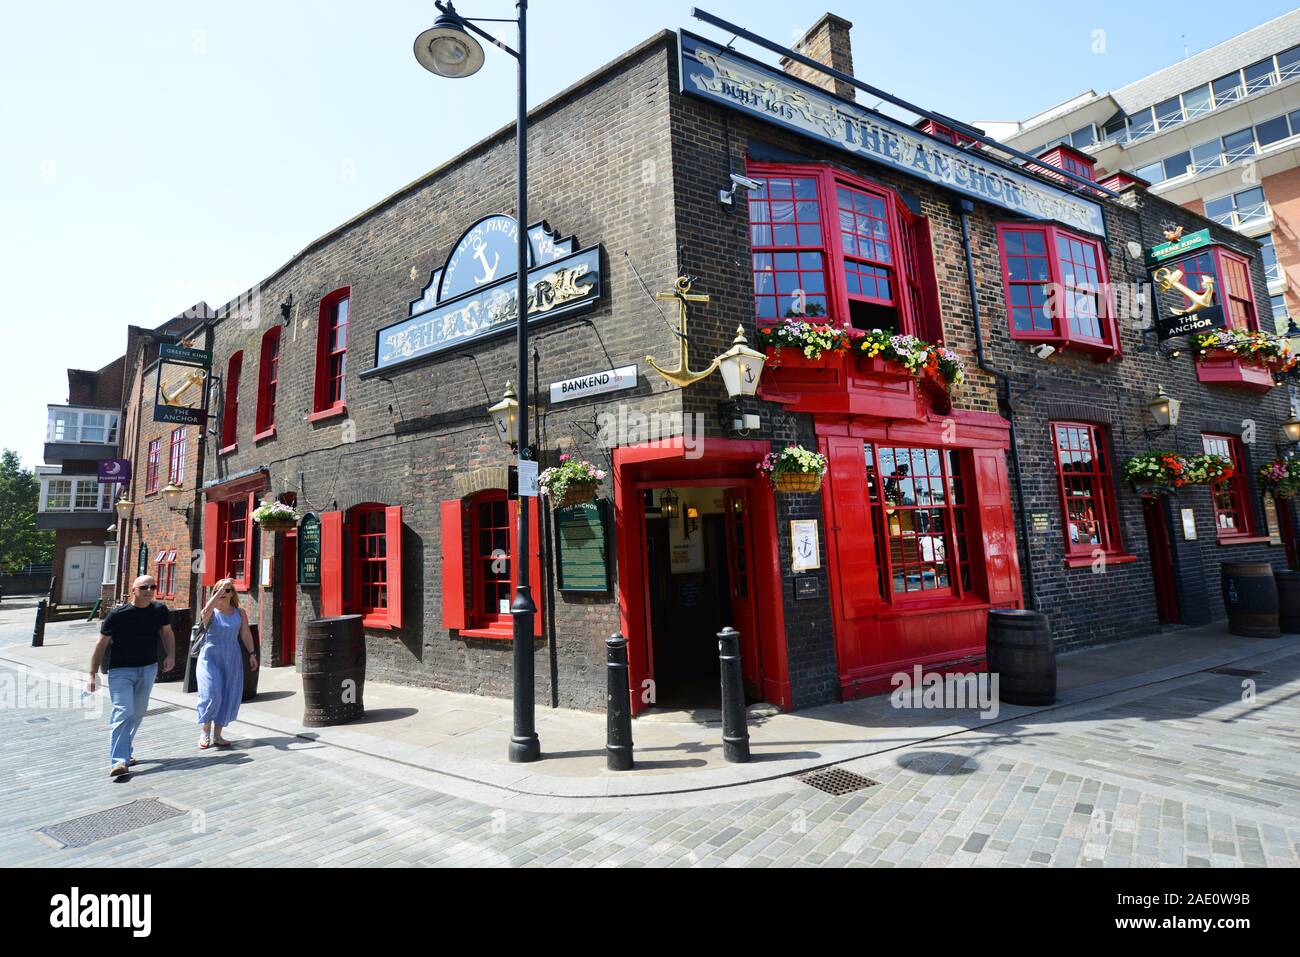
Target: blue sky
[[155, 154]]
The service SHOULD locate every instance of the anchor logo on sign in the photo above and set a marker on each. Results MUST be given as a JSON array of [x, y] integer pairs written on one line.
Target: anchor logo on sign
[[1171, 279], [489, 272]]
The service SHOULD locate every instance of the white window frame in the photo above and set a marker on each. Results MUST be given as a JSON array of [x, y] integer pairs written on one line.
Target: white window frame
[[110, 563], [77, 427], [103, 494]]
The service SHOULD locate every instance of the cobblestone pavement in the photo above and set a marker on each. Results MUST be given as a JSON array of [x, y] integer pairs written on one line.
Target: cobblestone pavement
[[1195, 771]]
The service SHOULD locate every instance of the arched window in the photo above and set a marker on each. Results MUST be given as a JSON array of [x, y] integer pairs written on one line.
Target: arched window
[[230, 410], [268, 379]]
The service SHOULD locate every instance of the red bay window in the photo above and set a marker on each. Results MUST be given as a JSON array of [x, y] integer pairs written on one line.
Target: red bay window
[[230, 408], [268, 379], [1057, 288], [331, 355], [834, 247], [1088, 504]]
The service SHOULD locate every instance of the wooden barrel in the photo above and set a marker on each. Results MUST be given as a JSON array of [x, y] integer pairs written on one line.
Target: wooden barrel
[[1288, 601], [1021, 652], [333, 658], [1250, 597]]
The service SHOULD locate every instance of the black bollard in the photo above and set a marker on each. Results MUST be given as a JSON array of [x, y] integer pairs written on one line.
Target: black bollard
[[38, 634], [618, 707], [735, 729]]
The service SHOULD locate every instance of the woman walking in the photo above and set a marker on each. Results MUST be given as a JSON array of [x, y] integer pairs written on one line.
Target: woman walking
[[220, 666]]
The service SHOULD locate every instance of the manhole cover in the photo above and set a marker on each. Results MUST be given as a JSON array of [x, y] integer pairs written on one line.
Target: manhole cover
[[81, 831], [836, 781], [165, 709], [1237, 672]]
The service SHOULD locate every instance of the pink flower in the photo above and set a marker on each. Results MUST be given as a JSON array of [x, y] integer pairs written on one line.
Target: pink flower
[[564, 458]]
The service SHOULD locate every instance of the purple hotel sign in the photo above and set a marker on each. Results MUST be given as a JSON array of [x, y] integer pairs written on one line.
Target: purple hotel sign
[[115, 470]]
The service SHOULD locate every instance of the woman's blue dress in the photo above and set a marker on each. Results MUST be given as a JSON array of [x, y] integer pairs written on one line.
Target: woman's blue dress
[[221, 670]]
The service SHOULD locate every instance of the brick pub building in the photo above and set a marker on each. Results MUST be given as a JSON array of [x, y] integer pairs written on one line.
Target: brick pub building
[[356, 379]]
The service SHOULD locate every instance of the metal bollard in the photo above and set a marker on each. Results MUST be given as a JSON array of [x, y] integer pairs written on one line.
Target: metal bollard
[[38, 634], [735, 729], [618, 707]]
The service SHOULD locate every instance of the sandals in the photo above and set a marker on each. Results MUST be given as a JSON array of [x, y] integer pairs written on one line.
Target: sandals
[[205, 740], [221, 743]]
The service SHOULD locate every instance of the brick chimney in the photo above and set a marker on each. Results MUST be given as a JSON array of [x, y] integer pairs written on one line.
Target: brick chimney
[[827, 42]]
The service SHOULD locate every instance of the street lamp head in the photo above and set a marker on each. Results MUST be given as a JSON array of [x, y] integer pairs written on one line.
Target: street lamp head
[[505, 416], [1291, 429], [1164, 409], [123, 508], [447, 49], [172, 495], [741, 366]]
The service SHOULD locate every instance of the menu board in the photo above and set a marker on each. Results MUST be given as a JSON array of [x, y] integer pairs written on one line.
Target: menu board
[[309, 550], [582, 546]]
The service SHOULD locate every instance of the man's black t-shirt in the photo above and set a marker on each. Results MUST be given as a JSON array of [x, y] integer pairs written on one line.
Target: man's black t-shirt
[[135, 634]]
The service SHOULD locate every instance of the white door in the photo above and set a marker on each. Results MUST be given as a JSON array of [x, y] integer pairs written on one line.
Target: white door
[[83, 575]]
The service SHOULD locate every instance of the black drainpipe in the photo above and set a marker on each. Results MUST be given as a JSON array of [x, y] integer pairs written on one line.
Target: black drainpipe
[[1004, 398]]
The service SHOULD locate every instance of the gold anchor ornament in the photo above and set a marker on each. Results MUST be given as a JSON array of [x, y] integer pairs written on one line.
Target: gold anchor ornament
[[682, 376], [1172, 279]]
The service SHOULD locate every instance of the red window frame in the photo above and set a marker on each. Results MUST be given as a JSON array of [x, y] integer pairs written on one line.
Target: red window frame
[[1233, 288], [888, 514], [176, 457], [1233, 517], [817, 253], [230, 408], [1091, 486], [151, 466], [165, 573], [330, 394], [268, 380], [236, 540], [1076, 265], [484, 539]]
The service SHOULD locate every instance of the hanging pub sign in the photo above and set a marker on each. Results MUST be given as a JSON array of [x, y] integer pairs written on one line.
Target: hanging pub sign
[[740, 83], [182, 392], [1179, 247], [1173, 326], [1200, 315], [474, 295], [309, 550], [582, 546]]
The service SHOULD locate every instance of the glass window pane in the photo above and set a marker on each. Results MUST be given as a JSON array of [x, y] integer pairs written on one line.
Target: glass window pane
[[1169, 113], [1272, 131], [1177, 164], [1227, 88], [1197, 101]]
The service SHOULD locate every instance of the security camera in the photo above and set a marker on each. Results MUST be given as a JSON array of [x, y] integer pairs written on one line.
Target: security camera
[[725, 196], [1044, 351]]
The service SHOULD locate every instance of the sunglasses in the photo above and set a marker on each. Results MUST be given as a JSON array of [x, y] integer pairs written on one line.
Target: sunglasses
[[228, 591], [145, 587]]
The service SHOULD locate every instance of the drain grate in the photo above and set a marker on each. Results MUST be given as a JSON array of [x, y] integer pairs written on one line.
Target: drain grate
[[38, 720], [836, 781], [81, 831], [165, 709], [1237, 672]]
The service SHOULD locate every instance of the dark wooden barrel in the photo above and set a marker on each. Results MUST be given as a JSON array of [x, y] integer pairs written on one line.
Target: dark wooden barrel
[[333, 659], [1250, 597], [182, 620], [1288, 601], [1021, 652]]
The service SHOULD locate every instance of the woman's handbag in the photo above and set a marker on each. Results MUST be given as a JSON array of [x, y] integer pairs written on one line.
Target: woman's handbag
[[198, 635]]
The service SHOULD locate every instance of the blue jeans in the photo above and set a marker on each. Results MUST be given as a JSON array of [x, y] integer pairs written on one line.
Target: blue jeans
[[128, 689]]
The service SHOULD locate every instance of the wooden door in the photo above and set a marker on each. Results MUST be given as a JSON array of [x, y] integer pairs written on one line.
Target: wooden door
[[288, 621], [1155, 511]]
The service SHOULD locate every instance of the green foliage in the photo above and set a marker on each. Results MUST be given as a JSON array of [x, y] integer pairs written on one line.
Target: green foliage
[[20, 494]]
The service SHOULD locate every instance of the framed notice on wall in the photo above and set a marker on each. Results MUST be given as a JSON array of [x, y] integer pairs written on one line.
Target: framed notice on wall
[[309, 550], [582, 547]]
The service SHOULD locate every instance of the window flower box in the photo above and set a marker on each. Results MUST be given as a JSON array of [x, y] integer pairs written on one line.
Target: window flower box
[[1221, 367]]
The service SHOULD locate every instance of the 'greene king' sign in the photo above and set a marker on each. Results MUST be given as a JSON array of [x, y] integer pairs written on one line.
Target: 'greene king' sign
[[736, 81]]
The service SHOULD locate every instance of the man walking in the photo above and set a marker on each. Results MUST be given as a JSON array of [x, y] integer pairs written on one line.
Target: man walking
[[129, 636]]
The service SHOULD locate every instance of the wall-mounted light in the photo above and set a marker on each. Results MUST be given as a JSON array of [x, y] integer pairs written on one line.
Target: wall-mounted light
[[505, 415], [1164, 409], [174, 496], [691, 522], [1291, 429], [124, 507], [741, 367], [668, 504], [286, 310]]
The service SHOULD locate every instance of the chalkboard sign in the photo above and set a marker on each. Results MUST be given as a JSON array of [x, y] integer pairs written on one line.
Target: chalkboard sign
[[309, 550], [582, 546]]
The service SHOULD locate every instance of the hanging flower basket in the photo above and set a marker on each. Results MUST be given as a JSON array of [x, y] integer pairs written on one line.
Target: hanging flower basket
[[788, 482], [572, 482], [1281, 477], [794, 469], [577, 494], [276, 517]]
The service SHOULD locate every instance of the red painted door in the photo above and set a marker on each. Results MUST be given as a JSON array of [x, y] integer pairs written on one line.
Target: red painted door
[[1285, 523], [740, 572], [288, 623], [1162, 560]]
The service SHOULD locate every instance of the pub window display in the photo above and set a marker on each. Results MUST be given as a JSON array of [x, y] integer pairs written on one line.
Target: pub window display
[[829, 245], [1087, 489]]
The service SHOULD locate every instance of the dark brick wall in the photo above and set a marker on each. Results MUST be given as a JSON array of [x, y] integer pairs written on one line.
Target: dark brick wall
[[600, 169]]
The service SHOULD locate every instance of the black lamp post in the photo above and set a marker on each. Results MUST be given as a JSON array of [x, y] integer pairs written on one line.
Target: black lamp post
[[447, 49]]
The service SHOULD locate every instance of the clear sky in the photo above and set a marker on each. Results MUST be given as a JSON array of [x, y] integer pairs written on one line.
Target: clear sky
[[153, 154]]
